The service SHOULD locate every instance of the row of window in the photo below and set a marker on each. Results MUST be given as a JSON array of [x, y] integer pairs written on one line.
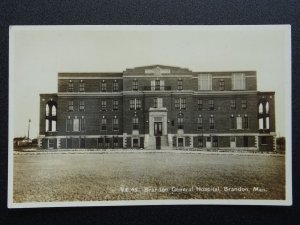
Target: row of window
[[103, 86], [103, 105], [235, 122], [204, 83], [136, 104]]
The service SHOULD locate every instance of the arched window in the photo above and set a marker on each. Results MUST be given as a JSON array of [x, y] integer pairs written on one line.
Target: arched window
[[260, 108], [47, 109], [267, 107], [180, 121], [199, 123], [50, 119], [53, 110]]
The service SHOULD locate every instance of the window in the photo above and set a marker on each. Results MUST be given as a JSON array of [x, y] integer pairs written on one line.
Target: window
[[115, 105], [51, 143], [221, 85], [172, 123], [155, 103], [69, 124], [82, 123], [263, 140], [71, 86], [71, 106], [215, 141], [81, 105], [81, 86], [177, 103], [238, 81], [131, 104], [260, 108], [200, 141], [183, 103], [232, 124], [267, 107], [233, 104], [103, 124], [246, 122], [261, 123], [157, 84], [53, 110], [115, 86], [47, 109], [199, 123], [103, 105], [135, 85], [135, 104], [267, 122], [116, 142], [103, 86], [211, 122], [75, 124], [135, 123], [138, 104], [200, 104], [179, 84], [244, 104], [106, 142], [239, 122], [180, 121], [180, 103], [204, 82], [115, 124], [211, 104]]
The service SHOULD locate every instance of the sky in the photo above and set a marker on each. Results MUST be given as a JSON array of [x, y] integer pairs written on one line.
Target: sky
[[39, 53]]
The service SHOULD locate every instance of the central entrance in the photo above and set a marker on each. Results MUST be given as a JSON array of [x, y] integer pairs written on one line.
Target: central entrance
[[157, 128]]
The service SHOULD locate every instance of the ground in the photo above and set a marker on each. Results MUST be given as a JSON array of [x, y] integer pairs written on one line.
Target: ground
[[97, 176]]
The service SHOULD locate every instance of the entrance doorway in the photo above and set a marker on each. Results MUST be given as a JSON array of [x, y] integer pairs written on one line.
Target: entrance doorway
[[157, 128]]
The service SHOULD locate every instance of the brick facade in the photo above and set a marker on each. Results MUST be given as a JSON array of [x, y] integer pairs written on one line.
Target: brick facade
[[158, 107]]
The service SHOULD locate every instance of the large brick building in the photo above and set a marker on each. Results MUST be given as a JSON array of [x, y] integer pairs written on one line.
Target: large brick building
[[158, 107]]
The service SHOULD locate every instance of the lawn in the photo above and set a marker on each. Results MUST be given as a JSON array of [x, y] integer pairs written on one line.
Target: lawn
[[129, 176]]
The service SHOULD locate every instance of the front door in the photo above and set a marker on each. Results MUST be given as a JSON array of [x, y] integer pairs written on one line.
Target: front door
[[157, 128]]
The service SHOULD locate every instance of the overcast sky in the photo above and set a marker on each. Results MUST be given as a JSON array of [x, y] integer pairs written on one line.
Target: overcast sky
[[38, 54]]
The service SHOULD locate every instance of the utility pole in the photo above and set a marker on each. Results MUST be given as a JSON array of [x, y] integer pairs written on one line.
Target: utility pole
[[28, 128]]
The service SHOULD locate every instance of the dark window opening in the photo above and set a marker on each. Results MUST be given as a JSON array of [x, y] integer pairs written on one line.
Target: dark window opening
[[211, 104], [221, 85], [179, 84]]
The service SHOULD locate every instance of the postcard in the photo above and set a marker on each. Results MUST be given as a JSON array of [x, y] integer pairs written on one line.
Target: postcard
[[149, 115]]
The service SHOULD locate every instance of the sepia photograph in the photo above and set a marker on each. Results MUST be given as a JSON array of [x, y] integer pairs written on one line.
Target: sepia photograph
[[149, 115]]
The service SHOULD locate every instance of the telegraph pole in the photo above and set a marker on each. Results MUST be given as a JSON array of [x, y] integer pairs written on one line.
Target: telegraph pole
[[28, 128]]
